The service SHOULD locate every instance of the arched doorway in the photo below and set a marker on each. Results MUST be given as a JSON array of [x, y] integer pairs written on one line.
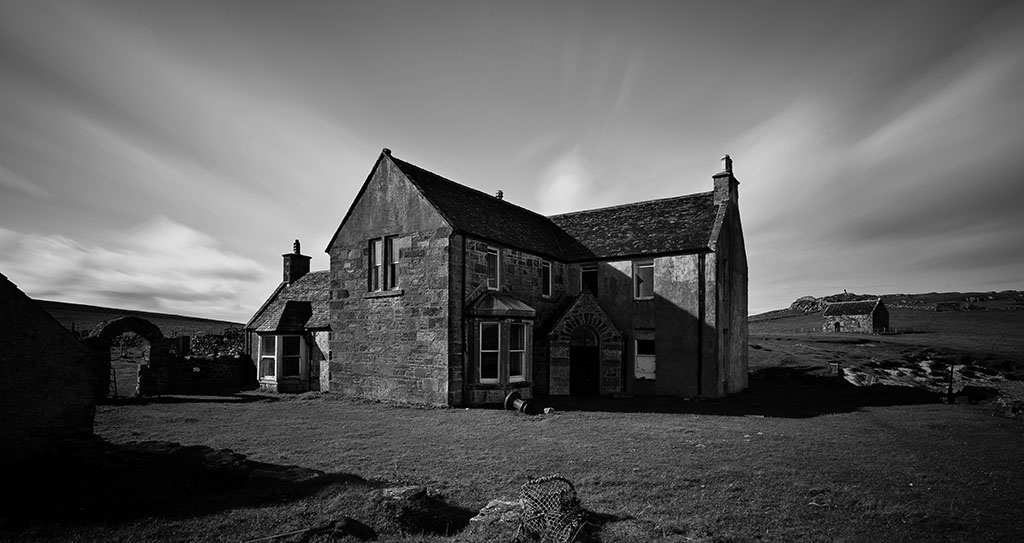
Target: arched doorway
[[125, 346], [129, 352], [837, 326], [584, 362]]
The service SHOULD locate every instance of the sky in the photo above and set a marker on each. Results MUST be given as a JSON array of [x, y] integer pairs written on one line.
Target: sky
[[162, 156]]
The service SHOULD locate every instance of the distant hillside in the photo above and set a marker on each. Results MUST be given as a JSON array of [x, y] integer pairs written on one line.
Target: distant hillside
[[83, 318], [1007, 300], [973, 322]]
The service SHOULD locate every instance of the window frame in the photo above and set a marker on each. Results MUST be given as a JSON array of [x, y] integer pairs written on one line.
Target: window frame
[[590, 268], [265, 358], [645, 336], [382, 264], [637, 280], [546, 279], [496, 275], [522, 352], [496, 351], [390, 262], [277, 358]]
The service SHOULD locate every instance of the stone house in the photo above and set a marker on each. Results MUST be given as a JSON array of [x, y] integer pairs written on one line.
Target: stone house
[[862, 316], [288, 336], [48, 380], [440, 294]]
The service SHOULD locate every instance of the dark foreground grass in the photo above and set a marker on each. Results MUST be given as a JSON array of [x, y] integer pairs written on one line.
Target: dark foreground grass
[[699, 472]]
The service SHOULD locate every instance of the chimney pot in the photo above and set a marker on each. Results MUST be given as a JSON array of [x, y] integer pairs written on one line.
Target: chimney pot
[[295, 247], [727, 163], [499, 195]]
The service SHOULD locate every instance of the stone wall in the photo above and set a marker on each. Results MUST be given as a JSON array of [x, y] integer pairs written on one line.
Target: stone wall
[[391, 345], [861, 324], [522, 278], [48, 380]]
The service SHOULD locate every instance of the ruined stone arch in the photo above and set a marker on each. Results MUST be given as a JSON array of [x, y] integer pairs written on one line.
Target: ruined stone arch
[[101, 339]]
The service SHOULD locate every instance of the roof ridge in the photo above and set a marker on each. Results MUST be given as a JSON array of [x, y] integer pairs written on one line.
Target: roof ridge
[[633, 204], [467, 187]]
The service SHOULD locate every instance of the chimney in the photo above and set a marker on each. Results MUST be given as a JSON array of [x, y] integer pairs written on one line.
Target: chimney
[[499, 195], [726, 185], [296, 264]]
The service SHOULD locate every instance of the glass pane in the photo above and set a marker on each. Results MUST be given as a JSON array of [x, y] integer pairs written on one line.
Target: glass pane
[[267, 367], [492, 268], [392, 276], [291, 346], [645, 366], [517, 337], [489, 336], [488, 365], [644, 281], [645, 346], [267, 347], [376, 252], [515, 364], [545, 279], [391, 253], [289, 366], [589, 279]]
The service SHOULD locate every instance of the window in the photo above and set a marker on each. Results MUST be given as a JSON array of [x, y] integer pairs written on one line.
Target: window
[[503, 352], [588, 278], [281, 356], [643, 280], [490, 350], [517, 352], [268, 357], [376, 265], [645, 358], [291, 355], [545, 279], [382, 271], [493, 268], [391, 258]]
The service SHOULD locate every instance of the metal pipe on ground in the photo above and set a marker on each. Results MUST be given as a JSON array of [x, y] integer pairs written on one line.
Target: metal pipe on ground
[[515, 402]]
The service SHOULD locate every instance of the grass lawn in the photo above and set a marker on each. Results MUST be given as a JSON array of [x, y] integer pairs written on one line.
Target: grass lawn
[[861, 469]]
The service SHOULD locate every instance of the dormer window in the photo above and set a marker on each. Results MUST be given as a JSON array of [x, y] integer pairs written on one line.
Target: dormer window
[[493, 260]]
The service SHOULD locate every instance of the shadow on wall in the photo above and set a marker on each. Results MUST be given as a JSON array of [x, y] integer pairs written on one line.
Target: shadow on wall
[[790, 392]]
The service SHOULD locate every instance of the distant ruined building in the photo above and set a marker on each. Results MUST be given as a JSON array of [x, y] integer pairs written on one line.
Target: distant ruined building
[[862, 316]]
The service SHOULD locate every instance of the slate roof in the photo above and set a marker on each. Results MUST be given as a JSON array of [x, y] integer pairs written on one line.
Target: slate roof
[[300, 306], [859, 307], [474, 212], [671, 225], [495, 304]]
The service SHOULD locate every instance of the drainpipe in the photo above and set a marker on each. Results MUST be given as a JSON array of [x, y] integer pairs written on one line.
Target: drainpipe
[[701, 314], [464, 326]]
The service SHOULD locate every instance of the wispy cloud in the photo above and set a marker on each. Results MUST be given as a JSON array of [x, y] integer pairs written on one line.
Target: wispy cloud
[[568, 183], [158, 265], [12, 180]]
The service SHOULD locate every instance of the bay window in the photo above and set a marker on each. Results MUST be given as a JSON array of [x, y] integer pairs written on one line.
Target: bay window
[[281, 356], [502, 352]]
